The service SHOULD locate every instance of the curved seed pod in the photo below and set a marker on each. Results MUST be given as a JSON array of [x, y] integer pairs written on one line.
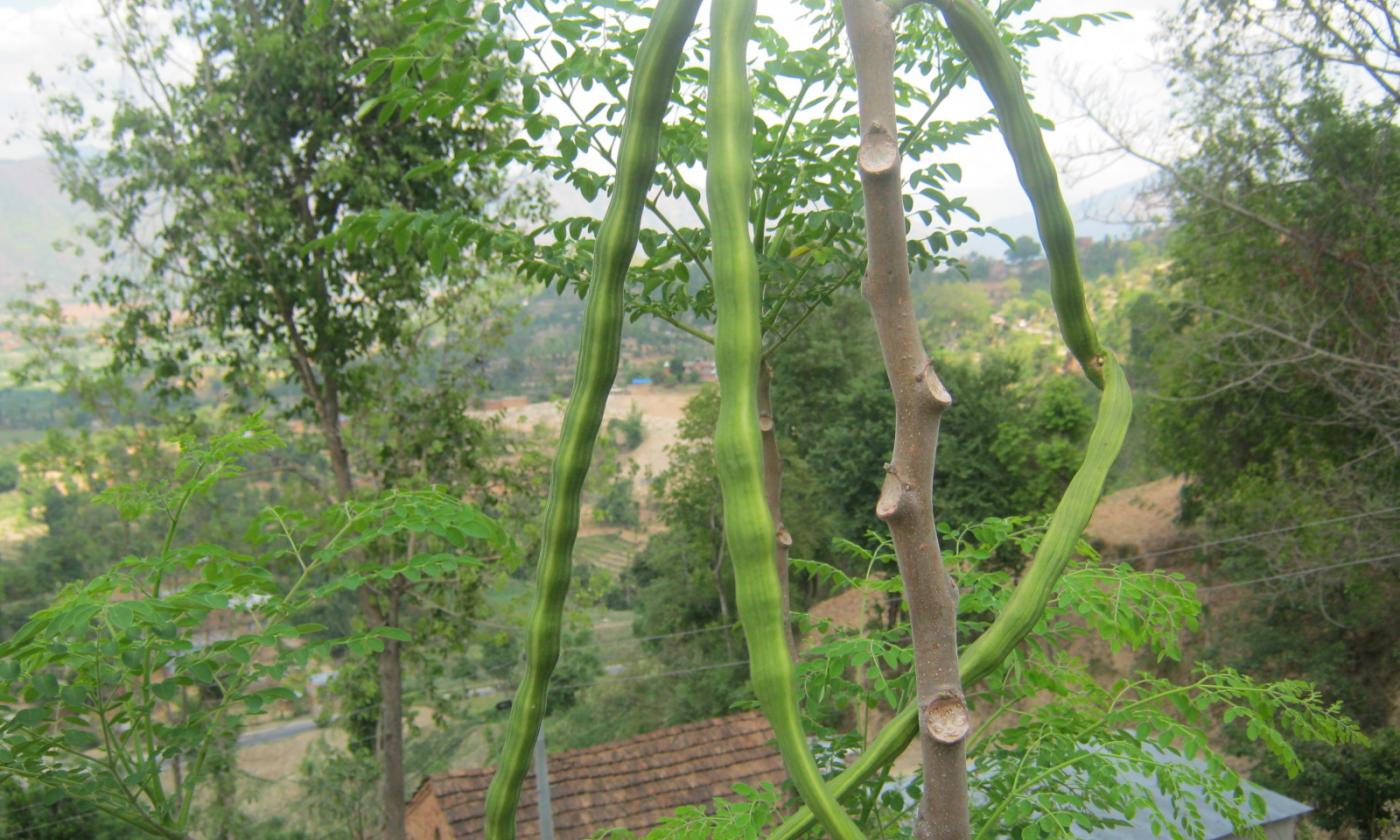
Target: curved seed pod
[[650, 93], [974, 31], [738, 446], [1071, 516], [1027, 603]]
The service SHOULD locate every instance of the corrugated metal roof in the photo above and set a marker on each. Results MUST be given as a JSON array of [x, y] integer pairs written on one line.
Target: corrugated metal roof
[[1277, 807], [1214, 824]]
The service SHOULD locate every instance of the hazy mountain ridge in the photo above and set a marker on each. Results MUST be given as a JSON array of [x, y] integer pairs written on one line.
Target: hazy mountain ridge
[[34, 216], [1115, 213]]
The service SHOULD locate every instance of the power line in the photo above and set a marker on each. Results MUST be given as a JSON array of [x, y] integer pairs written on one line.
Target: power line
[[1300, 572], [644, 677], [1147, 555], [517, 631], [31, 830], [736, 663], [603, 681], [1257, 534], [493, 691], [677, 634]]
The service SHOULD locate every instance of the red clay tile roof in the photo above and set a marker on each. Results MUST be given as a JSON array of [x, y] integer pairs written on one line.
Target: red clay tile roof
[[629, 784]]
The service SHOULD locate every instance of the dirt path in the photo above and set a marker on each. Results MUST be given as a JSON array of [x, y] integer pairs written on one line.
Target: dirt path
[[661, 410], [1138, 519]]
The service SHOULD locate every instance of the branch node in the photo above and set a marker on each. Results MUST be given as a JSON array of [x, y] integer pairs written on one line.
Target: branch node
[[893, 495], [879, 153], [945, 718], [935, 386]]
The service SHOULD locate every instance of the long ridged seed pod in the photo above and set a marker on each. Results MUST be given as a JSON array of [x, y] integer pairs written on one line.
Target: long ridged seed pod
[[738, 444], [1027, 603], [650, 94], [976, 34]]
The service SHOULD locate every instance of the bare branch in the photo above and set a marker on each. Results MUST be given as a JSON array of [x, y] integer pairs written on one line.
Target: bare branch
[[906, 500]]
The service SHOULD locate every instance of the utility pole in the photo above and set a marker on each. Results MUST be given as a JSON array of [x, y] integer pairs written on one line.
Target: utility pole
[[542, 788]]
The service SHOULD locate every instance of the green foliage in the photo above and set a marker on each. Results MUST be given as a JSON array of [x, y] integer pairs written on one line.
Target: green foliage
[[36, 811], [1092, 754], [244, 188], [339, 793], [835, 437], [616, 505], [744, 818], [955, 315], [1354, 786], [1043, 446], [808, 225], [1278, 391], [9, 476], [682, 581], [1024, 250], [90, 681], [80, 539], [630, 428], [1334, 626], [355, 689], [1058, 748], [1248, 296], [1006, 443], [609, 485]]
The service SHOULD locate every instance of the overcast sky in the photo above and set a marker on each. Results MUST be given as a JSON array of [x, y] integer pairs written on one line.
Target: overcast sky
[[38, 36]]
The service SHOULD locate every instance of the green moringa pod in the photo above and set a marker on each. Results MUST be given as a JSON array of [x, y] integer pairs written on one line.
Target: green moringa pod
[[1027, 603], [748, 525], [973, 29], [650, 94]]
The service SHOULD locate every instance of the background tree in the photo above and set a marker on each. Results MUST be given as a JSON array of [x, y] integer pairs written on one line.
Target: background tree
[[1023, 250], [1272, 342], [208, 205], [1012, 437]]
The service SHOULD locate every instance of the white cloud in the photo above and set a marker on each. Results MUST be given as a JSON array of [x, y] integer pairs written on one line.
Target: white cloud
[[40, 37], [1119, 55], [44, 35]]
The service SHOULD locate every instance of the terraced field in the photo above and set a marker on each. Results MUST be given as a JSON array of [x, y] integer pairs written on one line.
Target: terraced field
[[609, 551]]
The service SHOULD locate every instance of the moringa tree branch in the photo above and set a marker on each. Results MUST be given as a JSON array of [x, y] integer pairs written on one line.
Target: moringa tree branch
[[906, 499]]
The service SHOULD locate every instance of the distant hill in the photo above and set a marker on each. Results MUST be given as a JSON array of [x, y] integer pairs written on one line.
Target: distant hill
[[1113, 213], [34, 215]]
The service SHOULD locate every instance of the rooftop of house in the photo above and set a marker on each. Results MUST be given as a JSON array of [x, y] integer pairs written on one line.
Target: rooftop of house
[[632, 783]]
